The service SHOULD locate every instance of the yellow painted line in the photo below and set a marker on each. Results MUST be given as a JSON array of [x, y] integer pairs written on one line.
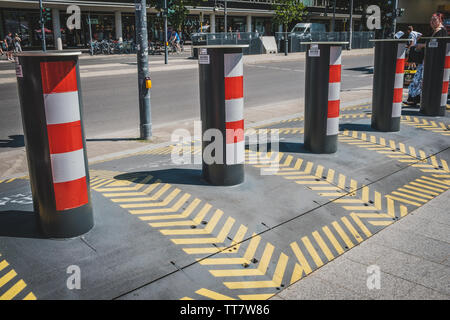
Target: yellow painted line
[[205, 250], [186, 298], [361, 225], [302, 266], [260, 270], [342, 234], [186, 213], [379, 223], [312, 252], [174, 208], [372, 215], [212, 295], [165, 202], [297, 175], [311, 182], [330, 194], [426, 186], [442, 182], [409, 196], [330, 176], [143, 199], [404, 200], [325, 188], [421, 190], [440, 185], [352, 230], [105, 181], [3, 264], [248, 255], [30, 296], [333, 240], [219, 239], [323, 245], [209, 228], [275, 282], [7, 277], [13, 291]]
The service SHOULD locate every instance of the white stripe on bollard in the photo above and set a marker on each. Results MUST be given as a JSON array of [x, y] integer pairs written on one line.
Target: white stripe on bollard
[[234, 110], [68, 166], [61, 107]]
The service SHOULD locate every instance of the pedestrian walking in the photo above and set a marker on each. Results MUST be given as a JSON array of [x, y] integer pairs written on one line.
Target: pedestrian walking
[[416, 55], [17, 41], [2, 47], [9, 46]]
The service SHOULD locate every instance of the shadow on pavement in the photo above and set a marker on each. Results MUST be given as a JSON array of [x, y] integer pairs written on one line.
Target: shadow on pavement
[[356, 127], [366, 69], [20, 224], [293, 147], [415, 113], [15, 141], [171, 176]]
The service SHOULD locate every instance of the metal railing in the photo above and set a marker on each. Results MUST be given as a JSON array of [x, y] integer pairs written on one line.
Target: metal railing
[[298, 42], [250, 38]]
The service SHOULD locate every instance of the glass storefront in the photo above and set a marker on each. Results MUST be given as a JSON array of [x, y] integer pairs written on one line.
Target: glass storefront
[[26, 24]]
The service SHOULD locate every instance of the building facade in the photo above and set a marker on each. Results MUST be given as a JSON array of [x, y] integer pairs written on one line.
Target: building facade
[[114, 19]]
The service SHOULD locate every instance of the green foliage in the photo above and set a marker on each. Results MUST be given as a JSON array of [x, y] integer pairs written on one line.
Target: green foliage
[[288, 11], [176, 10]]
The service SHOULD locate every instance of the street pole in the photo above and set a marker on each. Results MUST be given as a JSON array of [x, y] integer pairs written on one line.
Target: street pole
[[334, 16], [225, 16], [394, 16], [42, 26], [166, 52], [351, 26], [286, 43], [90, 33], [143, 75]]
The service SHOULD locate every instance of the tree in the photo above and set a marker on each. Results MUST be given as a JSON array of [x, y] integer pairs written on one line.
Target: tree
[[288, 11], [176, 10]]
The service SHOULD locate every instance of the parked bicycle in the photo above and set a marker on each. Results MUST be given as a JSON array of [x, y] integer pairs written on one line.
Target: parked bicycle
[[112, 47]]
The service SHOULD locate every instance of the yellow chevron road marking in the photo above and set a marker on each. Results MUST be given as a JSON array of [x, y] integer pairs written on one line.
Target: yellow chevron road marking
[[9, 277], [437, 127], [275, 282], [260, 270]]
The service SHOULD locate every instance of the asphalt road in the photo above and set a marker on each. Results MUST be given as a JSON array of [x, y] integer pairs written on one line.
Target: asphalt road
[[111, 104]]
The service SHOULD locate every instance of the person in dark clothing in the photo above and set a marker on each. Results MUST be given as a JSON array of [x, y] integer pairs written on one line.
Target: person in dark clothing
[[9, 46], [417, 51]]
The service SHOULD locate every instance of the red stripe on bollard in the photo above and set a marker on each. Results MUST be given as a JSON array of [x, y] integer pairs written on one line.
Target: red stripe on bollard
[[235, 131], [333, 108], [335, 73], [445, 87], [447, 62], [58, 76], [398, 95], [70, 194], [400, 66], [64, 137], [234, 87]]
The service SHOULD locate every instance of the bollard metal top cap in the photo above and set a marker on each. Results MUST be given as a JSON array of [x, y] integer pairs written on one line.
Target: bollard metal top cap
[[223, 46], [51, 53], [327, 42], [390, 40]]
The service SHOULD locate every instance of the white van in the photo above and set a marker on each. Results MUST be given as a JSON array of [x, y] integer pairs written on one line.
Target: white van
[[306, 28]]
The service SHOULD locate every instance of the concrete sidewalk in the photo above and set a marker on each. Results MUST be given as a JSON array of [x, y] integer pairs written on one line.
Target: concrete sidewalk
[[413, 257]]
